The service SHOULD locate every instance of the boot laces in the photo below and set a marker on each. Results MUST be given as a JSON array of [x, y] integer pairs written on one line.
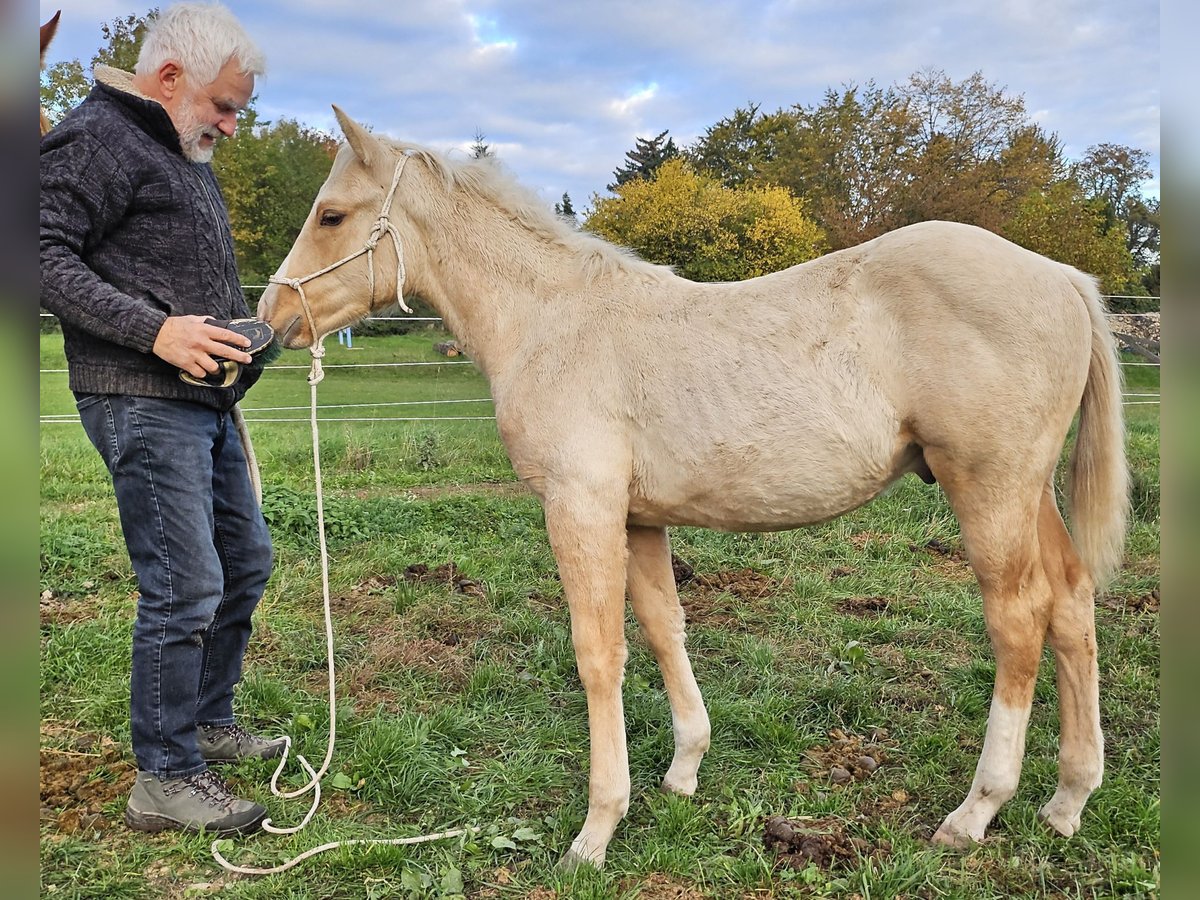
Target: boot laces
[[239, 734], [206, 785]]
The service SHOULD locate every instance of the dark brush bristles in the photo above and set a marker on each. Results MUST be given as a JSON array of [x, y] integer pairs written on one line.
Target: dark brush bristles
[[269, 353]]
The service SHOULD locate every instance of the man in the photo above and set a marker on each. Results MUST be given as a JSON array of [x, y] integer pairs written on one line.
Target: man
[[136, 255]]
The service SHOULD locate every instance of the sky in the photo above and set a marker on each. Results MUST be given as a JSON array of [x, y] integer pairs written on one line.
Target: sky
[[561, 90]]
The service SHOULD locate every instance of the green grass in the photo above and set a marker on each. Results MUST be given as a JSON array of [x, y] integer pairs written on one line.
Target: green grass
[[457, 709]]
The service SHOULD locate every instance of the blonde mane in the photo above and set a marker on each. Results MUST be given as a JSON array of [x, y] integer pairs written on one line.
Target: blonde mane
[[487, 181]]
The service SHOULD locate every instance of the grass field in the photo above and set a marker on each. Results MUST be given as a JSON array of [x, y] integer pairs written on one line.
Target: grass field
[[459, 703]]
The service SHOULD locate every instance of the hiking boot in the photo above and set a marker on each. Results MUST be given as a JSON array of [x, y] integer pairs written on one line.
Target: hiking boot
[[230, 743], [200, 802]]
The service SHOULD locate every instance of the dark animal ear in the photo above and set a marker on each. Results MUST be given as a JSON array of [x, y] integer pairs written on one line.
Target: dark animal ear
[[47, 33], [361, 141]]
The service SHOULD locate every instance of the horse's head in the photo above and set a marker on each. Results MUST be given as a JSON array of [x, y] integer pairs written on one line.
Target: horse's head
[[347, 261], [47, 35]]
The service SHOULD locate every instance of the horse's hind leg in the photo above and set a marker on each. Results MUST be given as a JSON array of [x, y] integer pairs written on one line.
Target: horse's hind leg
[[999, 527], [1073, 637], [656, 605]]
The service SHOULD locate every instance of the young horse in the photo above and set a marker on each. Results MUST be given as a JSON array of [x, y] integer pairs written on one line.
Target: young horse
[[46, 33], [630, 399]]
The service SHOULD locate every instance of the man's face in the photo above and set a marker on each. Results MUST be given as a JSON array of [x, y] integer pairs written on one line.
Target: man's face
[[203, 114]]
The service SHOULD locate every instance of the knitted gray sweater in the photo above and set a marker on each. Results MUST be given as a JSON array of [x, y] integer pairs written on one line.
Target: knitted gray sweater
[[131, 232]]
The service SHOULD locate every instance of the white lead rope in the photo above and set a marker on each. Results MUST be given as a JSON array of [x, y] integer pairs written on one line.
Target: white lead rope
[[315, 376]]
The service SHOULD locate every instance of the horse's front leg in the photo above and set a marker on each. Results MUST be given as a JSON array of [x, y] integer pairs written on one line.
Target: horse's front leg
[[587, 533]]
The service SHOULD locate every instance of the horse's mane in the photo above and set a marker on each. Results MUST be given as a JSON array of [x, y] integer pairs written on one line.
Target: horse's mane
[[487, 180]]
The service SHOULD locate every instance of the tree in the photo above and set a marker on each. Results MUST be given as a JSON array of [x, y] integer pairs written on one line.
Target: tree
[[736, 149], [269, 175], [848, 157], [644, 159], [707, 231], [480, 149], [1114, 174], [64, 84], [870, 160], [565, 210], [1062, 223]]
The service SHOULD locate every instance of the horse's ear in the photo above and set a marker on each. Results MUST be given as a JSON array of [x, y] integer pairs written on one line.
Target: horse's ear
[[47, 33], [361, 141]]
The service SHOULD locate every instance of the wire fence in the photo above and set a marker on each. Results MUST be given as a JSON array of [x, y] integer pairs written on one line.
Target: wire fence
[[254, 414]]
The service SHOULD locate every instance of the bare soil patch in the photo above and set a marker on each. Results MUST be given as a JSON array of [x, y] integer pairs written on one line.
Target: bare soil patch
[[78, 781], [447, 574], [59, 610], [863, 606], [1143, 603], [657, 886]]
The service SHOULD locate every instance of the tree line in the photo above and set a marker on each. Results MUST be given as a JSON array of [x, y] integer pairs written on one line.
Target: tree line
[[760, 191]]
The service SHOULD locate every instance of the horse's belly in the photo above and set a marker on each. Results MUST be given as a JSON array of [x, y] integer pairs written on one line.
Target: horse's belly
[[756, 501]]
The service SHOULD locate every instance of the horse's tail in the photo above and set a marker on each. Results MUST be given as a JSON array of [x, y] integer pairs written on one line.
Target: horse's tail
[[1099, 474]]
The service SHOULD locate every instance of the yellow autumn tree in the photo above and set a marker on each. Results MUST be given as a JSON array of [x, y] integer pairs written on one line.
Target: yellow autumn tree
[[1063, 224], [707, 231]]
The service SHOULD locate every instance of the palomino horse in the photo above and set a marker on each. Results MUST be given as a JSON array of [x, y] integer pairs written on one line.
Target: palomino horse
[[47, 35], [630, 399]]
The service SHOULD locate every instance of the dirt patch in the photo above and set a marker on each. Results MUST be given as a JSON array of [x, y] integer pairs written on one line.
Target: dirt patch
[[946, 560], [863, 606], [848, 757], [941, 550], [447, 574], [1143, 603], [860, 540], [56, 610], [78, 781], [365, 681], [882, 807], [713, 598], [657, 886], [799, 843], [745, 584]]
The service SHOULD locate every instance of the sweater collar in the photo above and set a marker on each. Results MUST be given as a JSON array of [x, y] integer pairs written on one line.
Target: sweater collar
[[151, 115]]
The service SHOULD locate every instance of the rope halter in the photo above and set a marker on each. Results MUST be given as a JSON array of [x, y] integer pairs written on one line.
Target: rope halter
[[382, 225]]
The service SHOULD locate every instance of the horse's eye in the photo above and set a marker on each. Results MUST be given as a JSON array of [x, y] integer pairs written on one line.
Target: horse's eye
[[332, 218]]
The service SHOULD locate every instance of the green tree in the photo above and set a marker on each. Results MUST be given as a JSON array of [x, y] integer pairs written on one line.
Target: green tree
[[1062, 223], [480, 149], [707, 231], [269, 174], [64, 84], [565, 210], [644, 159], [848, 156], [737, 148], [1114, 174]]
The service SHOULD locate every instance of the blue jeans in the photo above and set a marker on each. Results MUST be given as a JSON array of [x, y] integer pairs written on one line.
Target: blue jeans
[[202, 555]]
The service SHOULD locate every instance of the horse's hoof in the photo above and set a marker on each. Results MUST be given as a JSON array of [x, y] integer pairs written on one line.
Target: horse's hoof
[[1059, 819], [949, 836], [679, 789], [572, 861]]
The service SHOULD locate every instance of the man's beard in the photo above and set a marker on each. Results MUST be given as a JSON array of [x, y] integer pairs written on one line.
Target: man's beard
[[191, 130]]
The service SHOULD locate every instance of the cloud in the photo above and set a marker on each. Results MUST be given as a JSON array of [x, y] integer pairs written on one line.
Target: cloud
[[564, 88]]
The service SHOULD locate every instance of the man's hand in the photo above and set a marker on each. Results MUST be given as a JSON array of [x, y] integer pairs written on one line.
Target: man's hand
[[189, 344]]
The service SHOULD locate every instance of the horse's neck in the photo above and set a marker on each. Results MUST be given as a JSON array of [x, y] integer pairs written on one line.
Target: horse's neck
[[491, 281]]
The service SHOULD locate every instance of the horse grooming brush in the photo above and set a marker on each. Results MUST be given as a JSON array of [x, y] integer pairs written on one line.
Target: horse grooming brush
[[263, 348]]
